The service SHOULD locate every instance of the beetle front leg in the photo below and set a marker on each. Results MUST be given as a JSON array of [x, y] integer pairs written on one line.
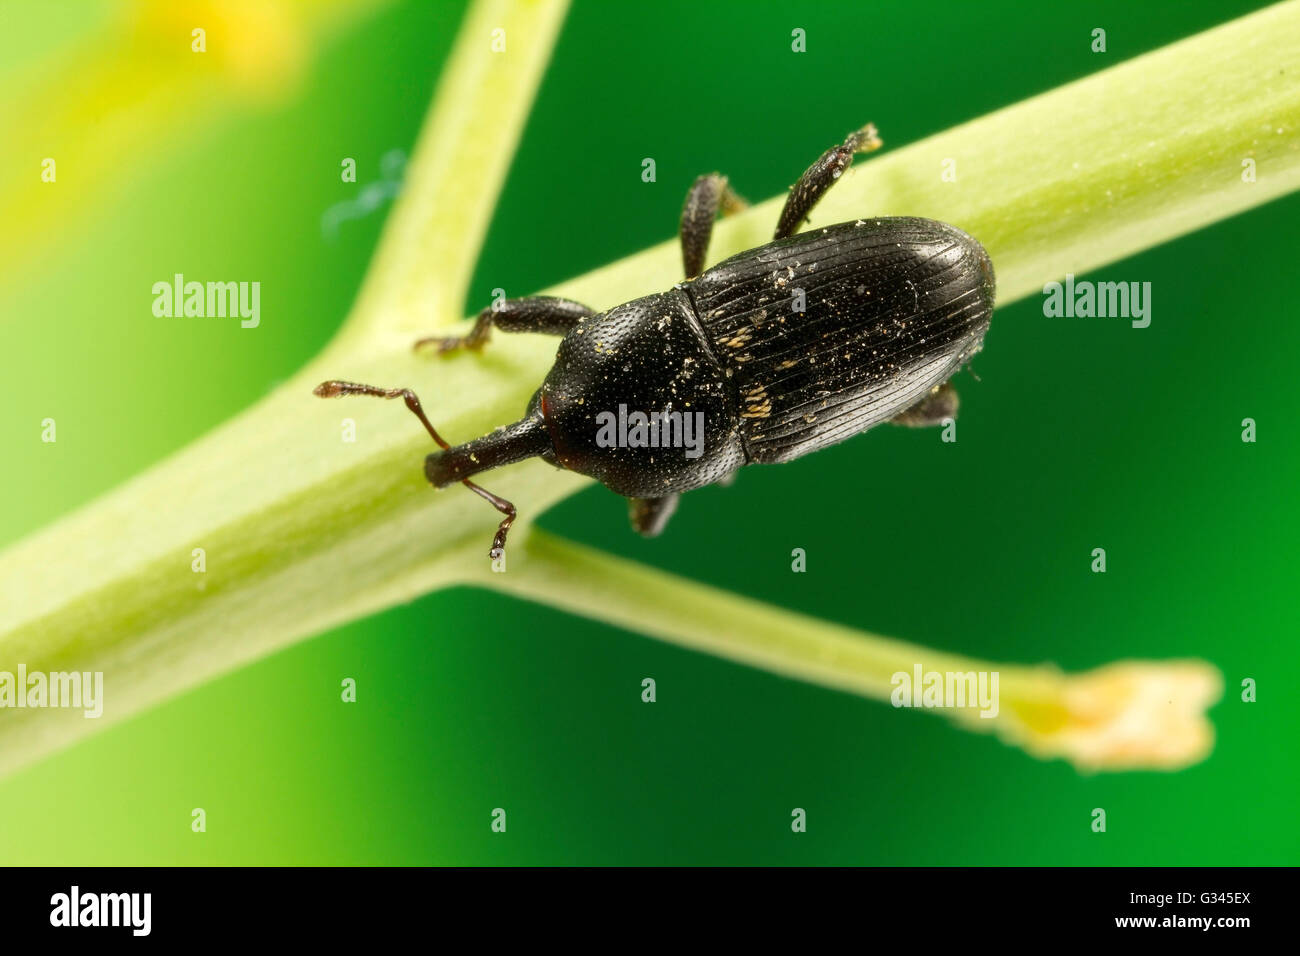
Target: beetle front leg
[[545, 314], [821, 176], [649, 515], [939, 405], [709, 194]]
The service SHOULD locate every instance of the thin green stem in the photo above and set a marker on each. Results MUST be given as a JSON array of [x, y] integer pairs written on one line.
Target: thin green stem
[[422, 269], [1124, 716]]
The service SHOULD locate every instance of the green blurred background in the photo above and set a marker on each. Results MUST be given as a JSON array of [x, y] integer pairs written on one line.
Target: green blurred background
[[1079, 433]]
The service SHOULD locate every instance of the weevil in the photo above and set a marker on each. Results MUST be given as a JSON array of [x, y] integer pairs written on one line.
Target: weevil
[[773, 353]]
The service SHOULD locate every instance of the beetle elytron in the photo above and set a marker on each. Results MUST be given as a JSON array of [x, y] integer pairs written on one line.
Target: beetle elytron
[[777, 352]]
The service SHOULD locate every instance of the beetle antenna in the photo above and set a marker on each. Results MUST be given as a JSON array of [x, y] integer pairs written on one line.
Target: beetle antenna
[[337, 389]]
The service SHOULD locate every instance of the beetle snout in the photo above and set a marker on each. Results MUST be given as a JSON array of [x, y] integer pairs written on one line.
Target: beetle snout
[[441, 469]]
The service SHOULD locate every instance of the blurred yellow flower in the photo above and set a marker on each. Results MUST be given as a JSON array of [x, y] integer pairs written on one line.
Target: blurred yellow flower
[[1125, 716], [86, 120]]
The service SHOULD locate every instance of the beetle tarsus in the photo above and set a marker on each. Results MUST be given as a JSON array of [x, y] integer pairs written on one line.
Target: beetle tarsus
[[544, 314], [449, 343], [649, 515], [938, 406], [821, 176]]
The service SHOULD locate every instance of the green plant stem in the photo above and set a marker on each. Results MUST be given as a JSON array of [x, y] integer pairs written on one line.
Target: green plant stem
[[1132, 715], [422, 270], [302, 531]]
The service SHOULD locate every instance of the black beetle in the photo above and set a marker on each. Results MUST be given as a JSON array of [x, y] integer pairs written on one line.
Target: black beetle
[[771, 354]]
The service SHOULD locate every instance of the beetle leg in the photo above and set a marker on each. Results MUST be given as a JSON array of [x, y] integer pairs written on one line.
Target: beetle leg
[[544, 314], [940, 403], [709, 194], [821, 176], [649, 515], [336, 389]]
